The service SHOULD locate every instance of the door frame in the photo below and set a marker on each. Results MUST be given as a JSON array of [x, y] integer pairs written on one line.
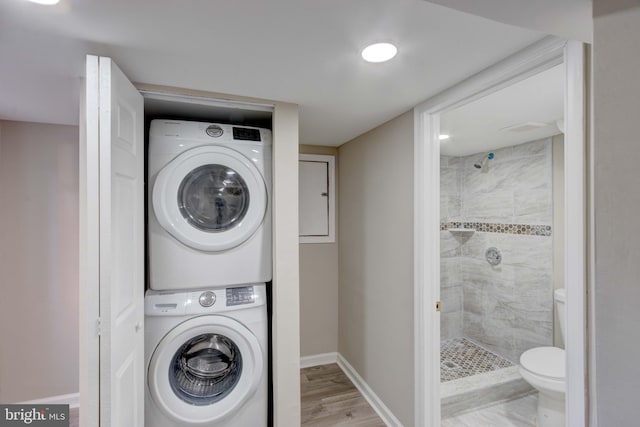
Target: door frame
[[542, 55]]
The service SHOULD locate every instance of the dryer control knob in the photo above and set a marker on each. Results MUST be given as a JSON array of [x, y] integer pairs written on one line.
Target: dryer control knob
[[207, 299]]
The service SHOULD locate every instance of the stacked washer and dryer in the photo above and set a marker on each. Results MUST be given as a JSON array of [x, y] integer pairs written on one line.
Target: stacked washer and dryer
[[209, 245]]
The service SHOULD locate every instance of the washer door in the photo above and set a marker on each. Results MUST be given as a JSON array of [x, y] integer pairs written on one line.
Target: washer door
[[205, 369], [210, 198]]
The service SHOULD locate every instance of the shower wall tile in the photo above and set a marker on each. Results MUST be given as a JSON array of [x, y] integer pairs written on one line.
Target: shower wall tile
[[532, 206], [514, 187], [527, 149], [508, 308], [450, 325], [451, 299], [451, 286], [450, 246], [493, 206], [450, 185]]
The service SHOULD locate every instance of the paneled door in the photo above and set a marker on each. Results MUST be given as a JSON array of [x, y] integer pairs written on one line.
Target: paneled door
[[112, 188]]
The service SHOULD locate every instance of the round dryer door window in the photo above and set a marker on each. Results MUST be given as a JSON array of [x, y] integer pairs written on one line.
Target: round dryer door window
[[205, 369], [210, 198], [213, 198]]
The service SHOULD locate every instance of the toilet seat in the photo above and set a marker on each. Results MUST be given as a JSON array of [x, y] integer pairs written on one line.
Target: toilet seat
[[547, 362]]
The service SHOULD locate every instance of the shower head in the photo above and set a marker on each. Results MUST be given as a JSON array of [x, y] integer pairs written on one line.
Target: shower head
[[481, 164]]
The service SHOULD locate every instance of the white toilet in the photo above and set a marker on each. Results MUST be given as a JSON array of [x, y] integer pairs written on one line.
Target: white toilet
[[544, 369]]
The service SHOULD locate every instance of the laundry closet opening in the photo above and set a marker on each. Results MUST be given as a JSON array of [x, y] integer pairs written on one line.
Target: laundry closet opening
[[208, 261]]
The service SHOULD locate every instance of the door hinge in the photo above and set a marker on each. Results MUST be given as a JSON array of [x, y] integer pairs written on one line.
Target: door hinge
[[98, 327], [438, 305]]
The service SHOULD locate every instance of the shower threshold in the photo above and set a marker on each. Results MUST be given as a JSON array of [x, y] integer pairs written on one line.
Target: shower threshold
[[473, 377]]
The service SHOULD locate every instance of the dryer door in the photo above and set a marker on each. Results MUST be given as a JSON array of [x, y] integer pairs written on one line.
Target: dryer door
[[205, 369], [210, 198]]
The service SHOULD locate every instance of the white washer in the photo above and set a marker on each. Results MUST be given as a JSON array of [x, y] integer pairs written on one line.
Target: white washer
[[209, 205], [206, 358]]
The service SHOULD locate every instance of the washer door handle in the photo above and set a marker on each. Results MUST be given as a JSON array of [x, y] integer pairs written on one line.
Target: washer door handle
[[138, 326]]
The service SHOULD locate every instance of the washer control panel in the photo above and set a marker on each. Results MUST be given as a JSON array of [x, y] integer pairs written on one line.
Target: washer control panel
[[204, 301], [241, 295]]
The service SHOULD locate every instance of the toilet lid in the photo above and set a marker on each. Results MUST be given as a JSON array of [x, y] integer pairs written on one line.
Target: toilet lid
[[546, 361]]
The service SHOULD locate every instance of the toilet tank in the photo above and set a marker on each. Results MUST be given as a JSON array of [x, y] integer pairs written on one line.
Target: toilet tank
[[560, 296]]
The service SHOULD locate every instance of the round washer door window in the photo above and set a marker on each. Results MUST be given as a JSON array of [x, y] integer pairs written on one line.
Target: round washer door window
[[205, 369], [210, 198]]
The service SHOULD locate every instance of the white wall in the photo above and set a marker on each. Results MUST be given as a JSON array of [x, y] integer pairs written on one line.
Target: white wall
[[616, 153], [286, 275], [376, 261], [38, 260], [318, 287]]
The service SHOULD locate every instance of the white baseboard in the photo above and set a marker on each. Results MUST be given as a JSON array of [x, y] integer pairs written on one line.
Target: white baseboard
[[366, 391], [318, 359], [73, 400]]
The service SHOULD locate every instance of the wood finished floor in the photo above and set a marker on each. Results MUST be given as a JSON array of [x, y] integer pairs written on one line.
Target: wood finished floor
[[74, 417], [330, 399]]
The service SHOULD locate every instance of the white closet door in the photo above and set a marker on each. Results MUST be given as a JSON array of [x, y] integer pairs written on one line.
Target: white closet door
[[120, 162]]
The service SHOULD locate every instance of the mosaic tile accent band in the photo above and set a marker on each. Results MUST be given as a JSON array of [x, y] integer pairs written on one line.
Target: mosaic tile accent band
[[460, 358], [524, 229]]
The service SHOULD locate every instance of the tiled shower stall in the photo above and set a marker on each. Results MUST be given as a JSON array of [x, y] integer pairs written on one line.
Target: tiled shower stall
[[495, 313]]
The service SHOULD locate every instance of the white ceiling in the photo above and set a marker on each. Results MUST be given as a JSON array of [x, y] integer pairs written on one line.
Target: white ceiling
[[570, 19], [300, 51], [484, 124]]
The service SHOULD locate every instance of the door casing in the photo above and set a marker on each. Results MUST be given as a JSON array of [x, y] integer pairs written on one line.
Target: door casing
[[546, 53]]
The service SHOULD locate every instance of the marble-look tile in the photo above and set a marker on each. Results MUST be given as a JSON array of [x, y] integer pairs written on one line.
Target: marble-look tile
[[514, 170], [512, 413], [532, 173], [533, 148], [473, 300], [449, 182], [501, 154], [455, 162], [494, 207], [470, 393], [527, 252], [450, 325], [450, 274], [450, 208], [496, 177], [532, 206], [451, 299], [449, 245], [506, 307]]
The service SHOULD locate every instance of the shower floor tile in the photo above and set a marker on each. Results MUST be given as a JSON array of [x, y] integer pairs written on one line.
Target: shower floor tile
[[460, 358]]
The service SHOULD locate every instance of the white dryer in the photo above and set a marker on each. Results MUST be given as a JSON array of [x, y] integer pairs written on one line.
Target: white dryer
[[209, 213], [206, 358]]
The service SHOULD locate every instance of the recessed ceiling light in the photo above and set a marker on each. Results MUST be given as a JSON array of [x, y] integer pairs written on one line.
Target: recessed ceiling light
[[379, 52], [46, 2], [444, 136]]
